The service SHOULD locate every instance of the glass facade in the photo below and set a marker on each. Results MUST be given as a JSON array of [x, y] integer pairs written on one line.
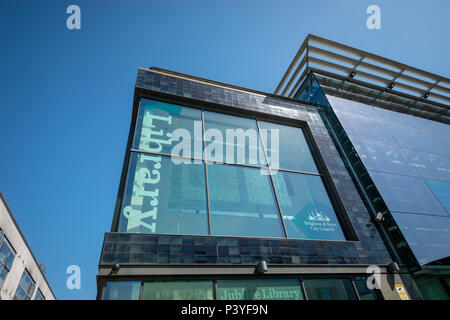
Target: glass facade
[[196, 172], [407, 157], [178, 290], [330, 289], [242, 289]]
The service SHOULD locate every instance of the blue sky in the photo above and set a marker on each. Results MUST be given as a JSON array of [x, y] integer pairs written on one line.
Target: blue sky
[[66, 95]]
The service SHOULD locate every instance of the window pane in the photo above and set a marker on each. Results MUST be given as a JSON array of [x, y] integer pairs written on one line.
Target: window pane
[[3, 274], [364, 128], [329, 289], [242, 202], [122, 290], [411, 137], [363, 291], [178, 290], [431, 288], [428, 236], [158, 120], [259, 289], [5, 252], [383, 157], [406, 194], [441, 190], [430, 165], [232, 139], [306, 208], [293, 150], [38, 296], [164, 197]]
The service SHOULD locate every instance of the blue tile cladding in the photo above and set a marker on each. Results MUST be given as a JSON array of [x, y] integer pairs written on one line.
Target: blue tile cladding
[[179, 249]]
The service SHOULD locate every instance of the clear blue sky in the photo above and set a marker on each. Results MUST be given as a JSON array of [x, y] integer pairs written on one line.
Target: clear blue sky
[[66, 96]]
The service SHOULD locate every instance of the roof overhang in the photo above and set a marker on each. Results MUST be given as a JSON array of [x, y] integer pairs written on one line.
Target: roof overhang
[[359, 75]]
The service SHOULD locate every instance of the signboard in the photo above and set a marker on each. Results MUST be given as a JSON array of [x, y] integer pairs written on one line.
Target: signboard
[[401, 292]]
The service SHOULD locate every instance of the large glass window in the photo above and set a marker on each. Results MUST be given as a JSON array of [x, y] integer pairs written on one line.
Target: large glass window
[[232, 139], [6, 258], [242, 289], [396, 191], [292, 148], [206, 173], [164, 197], [178, 290], [307, 210], [441, 190], [156, 127], [242, 202], [329, 289], [364, 292], [122, 290], [259, 289], [26, 287]]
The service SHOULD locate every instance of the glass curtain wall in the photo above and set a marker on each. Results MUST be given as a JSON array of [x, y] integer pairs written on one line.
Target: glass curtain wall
[[408, 158]]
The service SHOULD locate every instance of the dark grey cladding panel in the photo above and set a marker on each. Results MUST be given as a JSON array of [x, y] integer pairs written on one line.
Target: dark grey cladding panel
[[370, 248]]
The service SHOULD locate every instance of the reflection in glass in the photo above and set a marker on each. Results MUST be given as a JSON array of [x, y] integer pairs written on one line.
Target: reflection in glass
[[441, 190], [164, 197], [178, 290], [363, 291], [242, 202], [430, 165], [306, 207], [293, 150], [414, 138], [383, 157], [406, 194], [329, 289], [122, 290], [442, 142], [428, 236], [232, 139], [432, 288], [157, 122], [364, 128], [259, 289]]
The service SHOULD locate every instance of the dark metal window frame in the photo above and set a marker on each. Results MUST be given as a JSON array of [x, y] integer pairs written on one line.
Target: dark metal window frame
[[341, 214]]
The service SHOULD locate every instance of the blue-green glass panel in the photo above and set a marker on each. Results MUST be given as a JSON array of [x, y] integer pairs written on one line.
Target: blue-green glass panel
[[290, 149], [383, 157], [428, 236], [429, 165], [406, 194], [413, 138], [164, 197], [259, 289], [232, 139], [168, 128], [242, 202], [366, 128], [122, 290], [178, 290], [306, 207], [364, 292], [329, 289], [441, 190]]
